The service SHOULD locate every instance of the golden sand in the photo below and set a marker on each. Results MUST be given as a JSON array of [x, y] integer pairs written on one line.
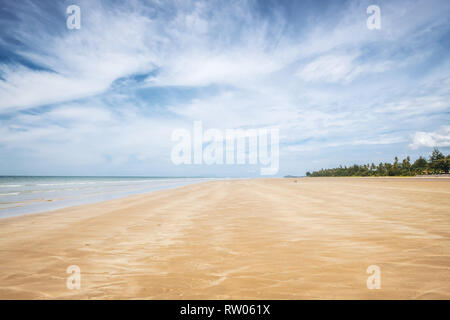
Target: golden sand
[[307, 238]]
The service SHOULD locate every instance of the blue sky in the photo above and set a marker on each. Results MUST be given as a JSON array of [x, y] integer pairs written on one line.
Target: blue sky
[[104, 99]]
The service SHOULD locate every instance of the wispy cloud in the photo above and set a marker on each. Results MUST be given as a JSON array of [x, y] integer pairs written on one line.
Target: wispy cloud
[[339, 68], [106, 97]]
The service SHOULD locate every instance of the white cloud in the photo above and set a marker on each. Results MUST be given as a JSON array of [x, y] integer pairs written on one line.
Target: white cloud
[[111, 44], [25, 88], [339, 68], [263, 74], [440, 138]]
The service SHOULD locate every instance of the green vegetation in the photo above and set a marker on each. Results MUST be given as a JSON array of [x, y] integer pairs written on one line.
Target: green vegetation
[[437, 164]]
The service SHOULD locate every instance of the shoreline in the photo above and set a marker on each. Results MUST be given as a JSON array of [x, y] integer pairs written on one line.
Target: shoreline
[[131, 196], [265, 238], [82, 206], [59, 198]]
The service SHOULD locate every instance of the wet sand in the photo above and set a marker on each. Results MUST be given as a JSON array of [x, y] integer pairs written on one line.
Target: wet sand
[[310, 238]]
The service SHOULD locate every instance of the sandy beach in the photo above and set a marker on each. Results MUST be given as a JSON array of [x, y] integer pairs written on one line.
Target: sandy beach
[[310, 238]]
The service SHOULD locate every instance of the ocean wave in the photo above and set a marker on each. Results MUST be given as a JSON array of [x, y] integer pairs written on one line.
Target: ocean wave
[[57, 184], [10, 194], [41, 191]]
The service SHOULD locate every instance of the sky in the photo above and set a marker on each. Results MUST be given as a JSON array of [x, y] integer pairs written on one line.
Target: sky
[[105, 99]]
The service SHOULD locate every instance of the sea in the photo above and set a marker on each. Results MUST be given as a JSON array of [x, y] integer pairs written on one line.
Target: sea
[[31, 194]]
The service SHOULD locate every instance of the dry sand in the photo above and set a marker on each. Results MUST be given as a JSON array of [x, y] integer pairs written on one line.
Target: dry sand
[[240, 239]]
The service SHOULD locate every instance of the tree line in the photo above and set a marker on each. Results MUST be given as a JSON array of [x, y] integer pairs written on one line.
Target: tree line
[[436, 164]]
